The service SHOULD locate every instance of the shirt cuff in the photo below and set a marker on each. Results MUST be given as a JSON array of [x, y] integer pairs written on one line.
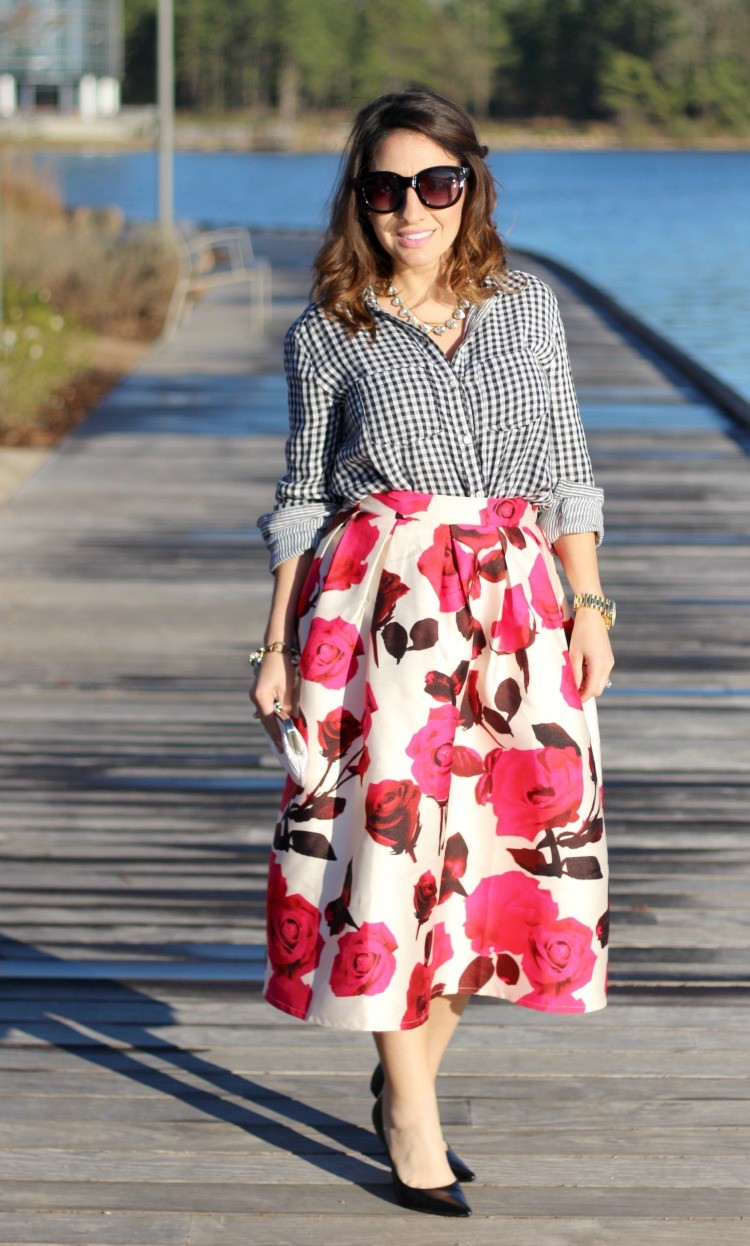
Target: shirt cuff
[[573, 508], [293, 530]]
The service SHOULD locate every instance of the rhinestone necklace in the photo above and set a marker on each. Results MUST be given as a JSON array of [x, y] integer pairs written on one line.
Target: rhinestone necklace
[[426, 326]]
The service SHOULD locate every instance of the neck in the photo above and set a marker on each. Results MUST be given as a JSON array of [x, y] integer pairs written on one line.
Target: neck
[[421, 285]]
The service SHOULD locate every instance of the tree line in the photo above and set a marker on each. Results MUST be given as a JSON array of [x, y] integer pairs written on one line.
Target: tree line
[[634, 61]]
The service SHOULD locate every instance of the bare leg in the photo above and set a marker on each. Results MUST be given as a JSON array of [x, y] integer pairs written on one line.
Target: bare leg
[[411, 1059]]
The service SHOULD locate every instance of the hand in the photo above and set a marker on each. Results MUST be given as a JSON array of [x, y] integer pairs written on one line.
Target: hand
[[274, 680], [590, 653]]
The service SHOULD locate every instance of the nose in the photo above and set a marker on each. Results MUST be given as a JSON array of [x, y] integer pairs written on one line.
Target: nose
[[411, 209]]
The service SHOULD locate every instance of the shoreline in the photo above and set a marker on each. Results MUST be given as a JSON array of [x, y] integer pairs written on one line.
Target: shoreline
[[137, 130]]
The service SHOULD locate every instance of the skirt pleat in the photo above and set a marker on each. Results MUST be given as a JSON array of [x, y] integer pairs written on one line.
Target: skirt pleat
[[449, 837]]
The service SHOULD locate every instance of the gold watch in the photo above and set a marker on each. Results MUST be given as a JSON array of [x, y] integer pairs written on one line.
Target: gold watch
[[604, 605]]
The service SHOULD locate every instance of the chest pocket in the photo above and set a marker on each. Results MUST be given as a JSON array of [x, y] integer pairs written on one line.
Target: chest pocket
[[399, 406], [509, 391]]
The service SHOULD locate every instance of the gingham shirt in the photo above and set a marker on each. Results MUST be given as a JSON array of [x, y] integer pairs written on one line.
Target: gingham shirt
[[498, 419]]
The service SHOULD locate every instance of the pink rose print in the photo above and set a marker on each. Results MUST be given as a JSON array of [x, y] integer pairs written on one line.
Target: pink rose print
[[543, 597], [349, 562], [553, 1003], [503, 512], [514, 629], [330, 653], [559, 958], [392, 814], [364, 963], [292, 928], [418, 997], [291, 994], [337, 732], [503, 910], [532, 789], [451, 570], [404, 501], [432, 750], [425, 896], [568, 686]]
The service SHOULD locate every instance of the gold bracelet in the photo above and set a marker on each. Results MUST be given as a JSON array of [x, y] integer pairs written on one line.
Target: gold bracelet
[[276, 646], [606, 607]]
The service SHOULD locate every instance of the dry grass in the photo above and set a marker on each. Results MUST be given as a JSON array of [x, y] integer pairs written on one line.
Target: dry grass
[[84, 268]]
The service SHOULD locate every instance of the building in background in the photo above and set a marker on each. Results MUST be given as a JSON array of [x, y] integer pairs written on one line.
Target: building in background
[[65, 55]]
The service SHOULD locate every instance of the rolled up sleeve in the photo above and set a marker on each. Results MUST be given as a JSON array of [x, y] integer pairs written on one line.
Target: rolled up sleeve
[[576, 504], [304, 500]]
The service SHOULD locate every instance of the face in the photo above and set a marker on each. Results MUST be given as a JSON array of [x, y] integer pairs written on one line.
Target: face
[[415, 237]]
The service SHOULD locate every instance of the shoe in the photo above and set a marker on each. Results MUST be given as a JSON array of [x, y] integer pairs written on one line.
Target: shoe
[[458, 1167], [442, 1200]]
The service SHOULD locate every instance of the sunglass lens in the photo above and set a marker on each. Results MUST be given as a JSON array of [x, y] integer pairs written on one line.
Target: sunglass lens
[[439, 189], [380, 192]]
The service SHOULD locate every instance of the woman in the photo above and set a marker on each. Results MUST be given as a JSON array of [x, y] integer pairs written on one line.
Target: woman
[[448, 838]]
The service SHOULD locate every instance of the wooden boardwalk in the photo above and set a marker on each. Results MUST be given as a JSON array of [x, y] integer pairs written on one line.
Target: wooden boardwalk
[[147, 1094]]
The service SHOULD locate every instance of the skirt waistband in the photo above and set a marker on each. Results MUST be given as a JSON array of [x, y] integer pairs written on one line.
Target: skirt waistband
[[479, 512]]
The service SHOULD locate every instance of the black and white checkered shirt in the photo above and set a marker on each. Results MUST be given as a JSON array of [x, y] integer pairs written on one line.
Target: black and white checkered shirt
[[499, 419]]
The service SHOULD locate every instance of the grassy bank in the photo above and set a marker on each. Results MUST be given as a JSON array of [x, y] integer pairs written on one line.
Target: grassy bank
[[82, 298]]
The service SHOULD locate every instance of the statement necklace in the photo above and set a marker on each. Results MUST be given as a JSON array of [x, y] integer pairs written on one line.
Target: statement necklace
[[426, 326]]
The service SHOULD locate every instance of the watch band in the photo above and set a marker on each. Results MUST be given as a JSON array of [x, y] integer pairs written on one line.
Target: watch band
[[604, 605]]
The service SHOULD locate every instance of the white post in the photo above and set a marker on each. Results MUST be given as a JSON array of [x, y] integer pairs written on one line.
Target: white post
[[8, 95], [166, 113], [87, 97]]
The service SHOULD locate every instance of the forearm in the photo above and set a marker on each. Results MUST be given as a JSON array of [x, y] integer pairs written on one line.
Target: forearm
[[577, 554], [289, 578]]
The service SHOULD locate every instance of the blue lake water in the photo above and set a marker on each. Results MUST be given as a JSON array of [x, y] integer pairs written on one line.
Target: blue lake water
[[667, 233]]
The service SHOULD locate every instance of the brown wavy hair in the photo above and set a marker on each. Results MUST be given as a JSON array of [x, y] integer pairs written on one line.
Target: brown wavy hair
[[351, 258]]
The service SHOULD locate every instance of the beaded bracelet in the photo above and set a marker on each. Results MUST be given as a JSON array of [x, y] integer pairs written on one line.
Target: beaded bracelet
[[276, 646]]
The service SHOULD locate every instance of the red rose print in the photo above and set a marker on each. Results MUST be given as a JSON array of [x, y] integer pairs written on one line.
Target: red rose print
[[559, 958], [514, 628], [291, 994], [292, 928], [532, 789], [442, 948], [417, 997], [503, 512], [392, 814], [451, 570], [425, 896], [454, 867], [477, 537], [502, 911], [337, 732], [370, 707], [312, 580], [432, 750], [543, 597], [404, 501], [391, 587], [568, 686], [349, 561], [364, 963], [547, 1002], [330, 653]]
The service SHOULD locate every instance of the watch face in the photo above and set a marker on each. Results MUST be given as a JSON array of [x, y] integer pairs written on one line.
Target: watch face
[[614, 613]]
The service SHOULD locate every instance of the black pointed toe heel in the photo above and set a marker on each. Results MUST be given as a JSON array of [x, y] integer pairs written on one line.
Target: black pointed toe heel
[[441, 1200], [457, 1166]]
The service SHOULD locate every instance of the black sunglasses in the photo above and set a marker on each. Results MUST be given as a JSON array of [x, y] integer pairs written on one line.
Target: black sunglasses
[[439, 187]]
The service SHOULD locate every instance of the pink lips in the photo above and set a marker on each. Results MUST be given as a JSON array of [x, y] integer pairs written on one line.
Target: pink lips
[[416, 239]]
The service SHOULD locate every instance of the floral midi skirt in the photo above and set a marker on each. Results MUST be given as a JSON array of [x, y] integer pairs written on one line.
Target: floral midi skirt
[[449, 837]]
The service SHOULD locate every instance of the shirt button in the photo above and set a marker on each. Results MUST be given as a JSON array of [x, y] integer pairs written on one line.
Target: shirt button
[[453, 383], [479, 493], [467, 439]]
